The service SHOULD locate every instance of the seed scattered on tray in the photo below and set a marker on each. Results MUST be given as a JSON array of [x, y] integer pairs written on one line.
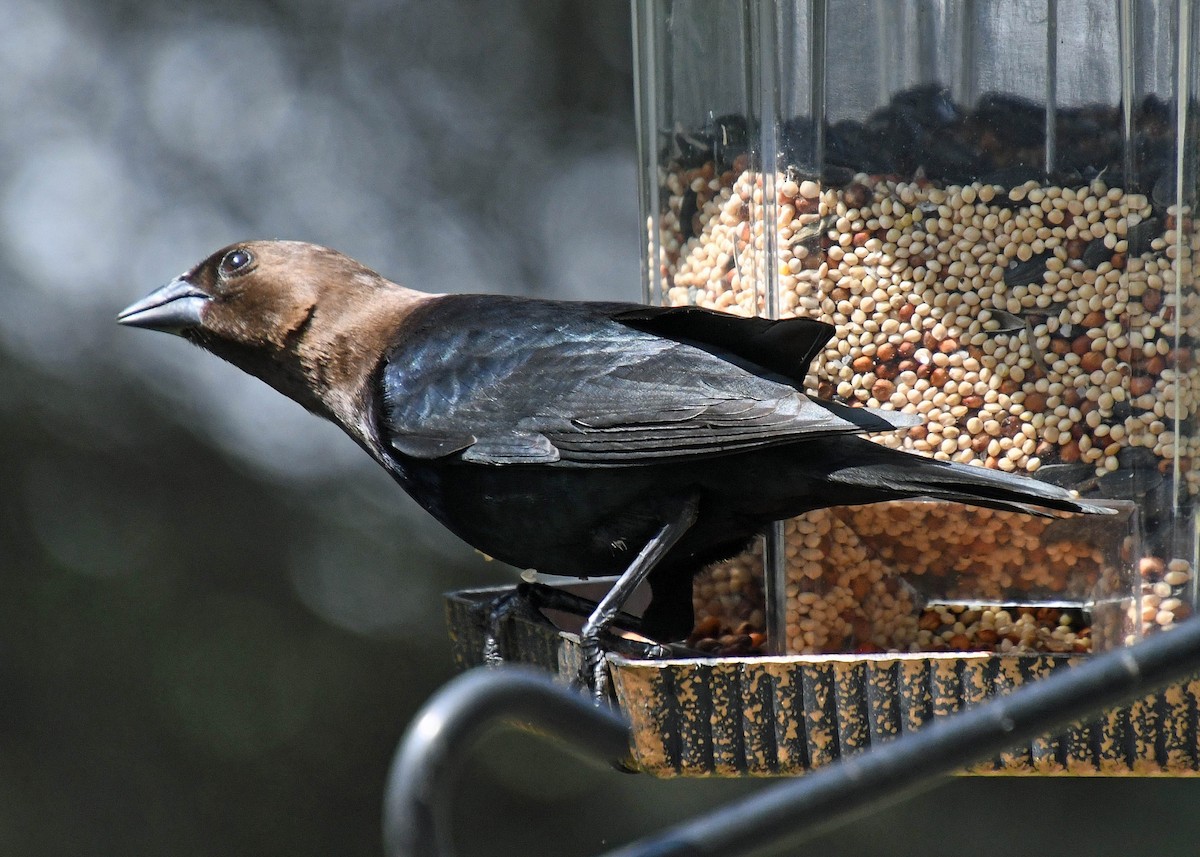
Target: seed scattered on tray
[[713, 637]]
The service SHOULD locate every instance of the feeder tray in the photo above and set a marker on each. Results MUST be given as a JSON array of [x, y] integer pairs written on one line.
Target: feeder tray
[[767, 716]]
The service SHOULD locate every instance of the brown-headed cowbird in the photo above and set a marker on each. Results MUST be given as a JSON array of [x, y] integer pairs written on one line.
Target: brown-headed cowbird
[[576, 438]]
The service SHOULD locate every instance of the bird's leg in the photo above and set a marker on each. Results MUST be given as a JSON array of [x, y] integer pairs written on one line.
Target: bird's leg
[[553, 598], [546, 597], [595, 671], [527, 600]]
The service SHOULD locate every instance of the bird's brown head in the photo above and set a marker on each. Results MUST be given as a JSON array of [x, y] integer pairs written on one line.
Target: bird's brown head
[[254, 293], [307, 320]]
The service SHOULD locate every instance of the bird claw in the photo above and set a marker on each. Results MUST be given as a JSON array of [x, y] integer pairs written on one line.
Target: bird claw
[[651, 651], [593, 675], [491, 650], [601, 689], [494, 613]]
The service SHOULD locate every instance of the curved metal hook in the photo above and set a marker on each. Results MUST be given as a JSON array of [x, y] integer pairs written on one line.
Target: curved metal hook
[[438, 741]]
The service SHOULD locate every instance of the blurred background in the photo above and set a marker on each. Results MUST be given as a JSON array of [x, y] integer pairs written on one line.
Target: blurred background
[[216, 615]]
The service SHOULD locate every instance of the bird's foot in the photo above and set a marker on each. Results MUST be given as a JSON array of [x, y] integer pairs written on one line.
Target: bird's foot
[[594, 674], [593, 671], [516, 603], [526, 600]]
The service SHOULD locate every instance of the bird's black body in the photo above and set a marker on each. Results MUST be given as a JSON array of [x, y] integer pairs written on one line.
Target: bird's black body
[[575, 438], [562, 438], [590, 523]]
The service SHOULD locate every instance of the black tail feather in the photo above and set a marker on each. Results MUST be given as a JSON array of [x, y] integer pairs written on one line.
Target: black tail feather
[[897, 475]]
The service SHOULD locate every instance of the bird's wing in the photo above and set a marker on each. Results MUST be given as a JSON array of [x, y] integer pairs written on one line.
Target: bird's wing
[[511, 381], [783, 348]]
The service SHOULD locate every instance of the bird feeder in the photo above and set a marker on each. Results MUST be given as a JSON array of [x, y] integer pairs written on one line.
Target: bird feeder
[[993, 202]]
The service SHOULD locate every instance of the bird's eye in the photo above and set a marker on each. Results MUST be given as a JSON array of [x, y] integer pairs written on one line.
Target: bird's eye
[[234, 262]]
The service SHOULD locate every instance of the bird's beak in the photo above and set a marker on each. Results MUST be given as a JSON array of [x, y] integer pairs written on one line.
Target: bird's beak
[[175, 307]]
